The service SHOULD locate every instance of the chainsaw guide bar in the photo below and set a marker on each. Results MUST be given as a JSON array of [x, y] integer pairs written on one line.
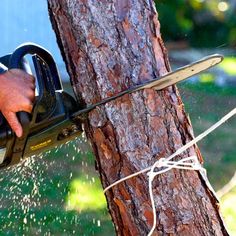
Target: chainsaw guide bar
[[164, 81]]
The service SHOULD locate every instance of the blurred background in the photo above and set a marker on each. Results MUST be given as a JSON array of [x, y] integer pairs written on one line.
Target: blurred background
[[59, 193]]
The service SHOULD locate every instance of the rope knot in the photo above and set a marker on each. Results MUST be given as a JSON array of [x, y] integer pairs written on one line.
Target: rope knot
[[161, 162]]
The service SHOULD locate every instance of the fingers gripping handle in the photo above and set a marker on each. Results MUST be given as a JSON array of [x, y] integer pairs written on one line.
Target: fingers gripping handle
[[23, 117], [16, 60]]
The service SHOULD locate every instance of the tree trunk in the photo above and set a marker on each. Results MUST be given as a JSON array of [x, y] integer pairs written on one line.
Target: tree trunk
[[109, 46]]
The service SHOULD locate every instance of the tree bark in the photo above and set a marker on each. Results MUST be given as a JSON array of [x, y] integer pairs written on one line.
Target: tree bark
[[109, 46]]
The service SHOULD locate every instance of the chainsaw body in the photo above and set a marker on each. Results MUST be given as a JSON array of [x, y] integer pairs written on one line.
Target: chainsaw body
[[56, 117], [49, 124]]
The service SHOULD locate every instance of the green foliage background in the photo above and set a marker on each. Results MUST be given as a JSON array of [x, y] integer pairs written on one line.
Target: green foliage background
[[198, 22]]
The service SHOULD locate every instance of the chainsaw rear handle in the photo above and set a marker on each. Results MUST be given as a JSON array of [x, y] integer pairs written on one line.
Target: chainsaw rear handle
[[15, 62], [31, 48]]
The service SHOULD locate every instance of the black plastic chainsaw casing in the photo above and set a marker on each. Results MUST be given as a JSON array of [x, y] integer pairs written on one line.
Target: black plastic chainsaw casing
[[49, 124]]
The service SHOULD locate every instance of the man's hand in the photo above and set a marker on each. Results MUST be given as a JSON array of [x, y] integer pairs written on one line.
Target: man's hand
[[17, 93]]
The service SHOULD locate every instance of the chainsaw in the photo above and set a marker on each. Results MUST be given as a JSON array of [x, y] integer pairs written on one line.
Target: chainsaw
[[56, 116]]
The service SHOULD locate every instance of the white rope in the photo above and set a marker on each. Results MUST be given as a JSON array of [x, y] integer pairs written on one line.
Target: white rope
[[184, 163], [179, 151]]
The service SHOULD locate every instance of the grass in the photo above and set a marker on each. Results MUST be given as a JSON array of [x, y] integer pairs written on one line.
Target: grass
[[85, 194], [229, 212], [206, 104], [228, 65], [35, 199], [60, 194]]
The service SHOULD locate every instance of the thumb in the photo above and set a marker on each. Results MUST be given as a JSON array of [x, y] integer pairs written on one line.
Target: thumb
[[13, 122]]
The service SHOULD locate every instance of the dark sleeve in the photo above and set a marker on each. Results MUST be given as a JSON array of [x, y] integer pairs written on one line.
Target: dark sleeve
[[2, 68]]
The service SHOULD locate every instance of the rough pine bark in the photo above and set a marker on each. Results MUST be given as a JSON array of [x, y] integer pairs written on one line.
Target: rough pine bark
[[109, 46]]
